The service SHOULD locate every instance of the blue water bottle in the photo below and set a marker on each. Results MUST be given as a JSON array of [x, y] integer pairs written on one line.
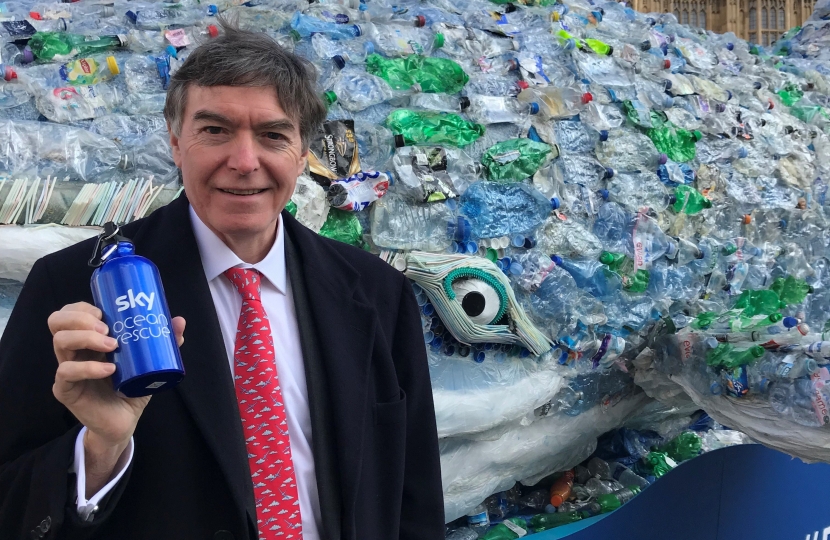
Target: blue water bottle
[[127, 289]]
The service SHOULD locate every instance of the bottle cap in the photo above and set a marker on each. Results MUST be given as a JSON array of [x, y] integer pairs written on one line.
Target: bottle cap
[[757, 85], [666, 64], [420, 21], [509, 8], [212, 10], [534, 108], [557, 260], [523, 85], [171, 50], [28, 55], [697, 135], [597, 15], [471, 247], [606, 258], [554, 16], [530, 243], [330, 97], [728, 95], [730, 46], [603, 135], [645, 45], [742, 152], [720, 107], [609, 173], [131, 16], [464, 102], [716, 388], [667, 84], [35, 15], [556, 500], [516, 269], [665, 48], [358, 31], [789, 322], [438, 42], [610, 51], [663, 159], [668, 102], [400, 142], [518, 240], [108, 11], [212, 30], [603, 193], [789, 130], [113, 65], [339, 61], [555, 204], [747, 219], [587, 98], [9, 73]]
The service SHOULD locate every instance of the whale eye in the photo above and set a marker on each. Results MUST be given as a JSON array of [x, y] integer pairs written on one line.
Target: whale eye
[[483, 299]]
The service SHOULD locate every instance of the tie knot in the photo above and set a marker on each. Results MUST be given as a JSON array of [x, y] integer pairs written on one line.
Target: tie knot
[[246, 281]]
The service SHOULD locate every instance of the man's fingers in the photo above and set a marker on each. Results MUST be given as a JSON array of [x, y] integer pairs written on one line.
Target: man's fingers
[[71, 373], [178, 328], [84, 307], [76, 320], [77, 340]]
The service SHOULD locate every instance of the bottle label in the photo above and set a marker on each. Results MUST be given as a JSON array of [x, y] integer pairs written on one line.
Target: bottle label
[[80, 71], [515, 528], [136, 320], [177, 38], [821, 407], [736, 382], [642, 244], [478, 520]]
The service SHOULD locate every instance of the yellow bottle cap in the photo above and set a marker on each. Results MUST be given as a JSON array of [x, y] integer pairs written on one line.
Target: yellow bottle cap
[[113, 65]]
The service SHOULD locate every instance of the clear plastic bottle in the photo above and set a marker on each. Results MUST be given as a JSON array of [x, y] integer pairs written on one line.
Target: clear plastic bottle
[[478, 520], [399, 224], [494, 110], [70, 104], [400, 38], [555, 102]]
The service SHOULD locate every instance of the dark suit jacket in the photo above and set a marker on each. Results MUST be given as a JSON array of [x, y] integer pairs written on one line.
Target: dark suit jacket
[[374, 437]]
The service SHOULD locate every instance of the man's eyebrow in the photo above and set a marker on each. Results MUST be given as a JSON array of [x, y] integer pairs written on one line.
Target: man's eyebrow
[[209, 116], [275, 125]]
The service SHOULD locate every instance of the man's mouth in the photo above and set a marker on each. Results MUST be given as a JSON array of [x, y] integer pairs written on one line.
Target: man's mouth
[[242, 191]]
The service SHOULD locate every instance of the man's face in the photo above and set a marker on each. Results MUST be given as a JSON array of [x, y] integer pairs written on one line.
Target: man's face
[[240, 155]]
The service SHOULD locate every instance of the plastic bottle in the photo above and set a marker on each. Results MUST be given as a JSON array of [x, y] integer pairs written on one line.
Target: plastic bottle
[[399, 224], [555, 102], [517, 528], [682, 355], [689, 200], [431, 75], [78, 103], [514, 160], [628, 151], [464, 533], [478, 520], [626, 476], [356, 90], [428, 174], [496, 109], [355, 50], [612, 501], [560, 491], [306, 25], [62, 46], [433, 128], [470, 43], [591, 276], [401, 39], [543, 522], [155, 17], [592, 508], [727, 357], [599, 468], [576, 136], [496, 209]]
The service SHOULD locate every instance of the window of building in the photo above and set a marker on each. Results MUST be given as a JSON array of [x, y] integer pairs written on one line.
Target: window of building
[[753, 21], [781, 23], [694, 18], [764, 21], [677, 15], [685, 17], [753, 38], [766, 40], [773, 18], [702, 19]]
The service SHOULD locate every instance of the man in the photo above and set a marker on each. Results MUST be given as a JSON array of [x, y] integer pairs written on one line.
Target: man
[[346, 446]]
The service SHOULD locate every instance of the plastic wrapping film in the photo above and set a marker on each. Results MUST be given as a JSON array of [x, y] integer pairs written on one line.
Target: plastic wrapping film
[[472, 470]]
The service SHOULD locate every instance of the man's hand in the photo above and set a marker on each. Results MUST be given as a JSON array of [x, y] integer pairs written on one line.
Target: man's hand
[[82, 384]]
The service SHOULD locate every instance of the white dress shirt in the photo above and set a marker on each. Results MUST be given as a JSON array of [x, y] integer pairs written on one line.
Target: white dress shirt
[[279, 305]]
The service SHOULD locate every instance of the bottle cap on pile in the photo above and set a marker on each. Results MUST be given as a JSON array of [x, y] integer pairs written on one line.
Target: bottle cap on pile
[[603, 135], [8, 73], [464, 103], [523, 85], [339, 61], [645, 45], [132, 16], [212, 30], [420, 21], [534, 108], [113, 65], [171, 50], [330, 97], [587, 98], [400, 142], [730, 46], [509, 8], [438, 42], [213, 10], [666, 63]]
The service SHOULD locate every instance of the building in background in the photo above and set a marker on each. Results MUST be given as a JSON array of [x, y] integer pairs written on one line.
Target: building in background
[[757, 21]]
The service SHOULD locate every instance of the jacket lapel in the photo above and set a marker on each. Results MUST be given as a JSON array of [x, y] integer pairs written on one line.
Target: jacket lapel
[[207, 389], [345, 332]]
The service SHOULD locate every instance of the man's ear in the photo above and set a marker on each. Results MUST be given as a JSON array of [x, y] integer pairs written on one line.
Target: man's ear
[[174, 145], [302, 163]]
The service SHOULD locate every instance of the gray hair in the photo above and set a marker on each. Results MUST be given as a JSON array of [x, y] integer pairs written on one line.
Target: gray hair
[[242, 58]]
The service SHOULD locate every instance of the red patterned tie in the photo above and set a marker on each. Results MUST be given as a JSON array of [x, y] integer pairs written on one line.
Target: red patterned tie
[[263, 414]]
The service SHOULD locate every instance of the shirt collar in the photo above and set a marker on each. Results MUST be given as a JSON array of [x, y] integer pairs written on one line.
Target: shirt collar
[[218, 257]]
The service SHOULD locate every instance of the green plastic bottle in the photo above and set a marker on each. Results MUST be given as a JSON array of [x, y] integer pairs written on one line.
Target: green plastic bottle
[[62, 45], [624, 266], [756, 322], [514, 160], [516, 529], [432, 75], [658, 463], [543, 522], [419, 127], [344, 227], [611, 501], [725, 356], [683, 447], [759, 302], [704, 320], [791, 290], [689, 200], [790, 94], [677, 143], [599, 47]]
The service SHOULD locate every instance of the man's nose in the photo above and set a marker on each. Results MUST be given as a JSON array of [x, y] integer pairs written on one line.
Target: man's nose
[[244, 158]]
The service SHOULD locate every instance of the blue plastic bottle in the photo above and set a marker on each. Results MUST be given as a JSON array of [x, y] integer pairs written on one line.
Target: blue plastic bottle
[[128, 290]]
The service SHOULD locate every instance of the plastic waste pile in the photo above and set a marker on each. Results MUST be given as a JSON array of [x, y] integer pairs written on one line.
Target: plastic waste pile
[[625, 462], [597, 207]]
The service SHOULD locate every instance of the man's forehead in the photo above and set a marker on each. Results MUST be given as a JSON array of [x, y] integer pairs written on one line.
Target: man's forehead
[[257, 103]]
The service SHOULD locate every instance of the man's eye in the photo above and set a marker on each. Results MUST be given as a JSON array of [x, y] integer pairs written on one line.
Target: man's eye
[[213, 130], [274, 136]]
